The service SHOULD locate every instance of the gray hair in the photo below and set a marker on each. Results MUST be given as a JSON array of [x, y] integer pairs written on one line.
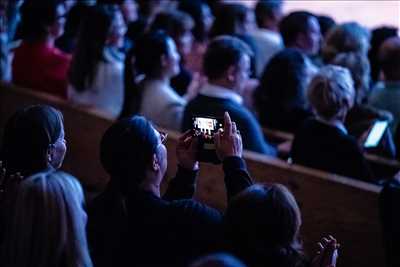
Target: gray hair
[[331, 92]]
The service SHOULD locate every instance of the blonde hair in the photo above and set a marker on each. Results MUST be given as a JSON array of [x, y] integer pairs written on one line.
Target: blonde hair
[[343, 38], [47, 226], [359, 67], [331, 92]]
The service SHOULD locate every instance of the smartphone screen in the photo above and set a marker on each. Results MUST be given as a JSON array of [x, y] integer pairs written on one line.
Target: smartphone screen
[[376, 134], [206, 127]]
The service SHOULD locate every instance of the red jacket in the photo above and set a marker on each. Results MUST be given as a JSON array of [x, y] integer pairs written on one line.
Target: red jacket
[[41, 67]]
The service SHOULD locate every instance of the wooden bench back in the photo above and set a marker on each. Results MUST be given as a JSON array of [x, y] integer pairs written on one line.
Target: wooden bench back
[[330, 204]]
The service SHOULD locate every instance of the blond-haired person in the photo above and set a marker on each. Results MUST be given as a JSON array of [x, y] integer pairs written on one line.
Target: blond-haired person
[[47, 226], [323, 142]]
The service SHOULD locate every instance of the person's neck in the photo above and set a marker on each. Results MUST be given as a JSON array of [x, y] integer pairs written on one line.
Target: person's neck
[[49, 40], [222, 83], [151, 188], [270, 26]]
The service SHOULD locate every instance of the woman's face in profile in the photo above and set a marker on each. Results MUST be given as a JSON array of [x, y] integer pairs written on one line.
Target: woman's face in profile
[[172, 59], [58, 150]]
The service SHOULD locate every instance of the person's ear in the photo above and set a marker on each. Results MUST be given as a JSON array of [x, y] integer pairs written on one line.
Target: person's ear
[[155, 165], [230, 74], [50, 153]]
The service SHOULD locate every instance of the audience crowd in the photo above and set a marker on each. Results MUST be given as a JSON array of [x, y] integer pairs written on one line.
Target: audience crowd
[[147, 64]]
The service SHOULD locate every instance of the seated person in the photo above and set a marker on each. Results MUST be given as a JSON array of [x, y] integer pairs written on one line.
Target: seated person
[[96, 73], [300, 30], [153, 97], [131, 223], [262, 226], [47, 225], [388, 96], [323, 142], [37, 63], [33, 141], [362, 116], [226, 65], [280, 98]]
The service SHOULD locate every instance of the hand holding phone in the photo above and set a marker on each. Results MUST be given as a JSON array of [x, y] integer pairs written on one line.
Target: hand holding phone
[[375, 134]]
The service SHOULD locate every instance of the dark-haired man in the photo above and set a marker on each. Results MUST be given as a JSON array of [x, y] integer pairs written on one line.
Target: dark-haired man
[[131, 223], [301, 30], [226, 64]]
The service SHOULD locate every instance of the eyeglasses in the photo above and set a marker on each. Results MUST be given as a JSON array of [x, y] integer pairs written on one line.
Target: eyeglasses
[[163, 137]]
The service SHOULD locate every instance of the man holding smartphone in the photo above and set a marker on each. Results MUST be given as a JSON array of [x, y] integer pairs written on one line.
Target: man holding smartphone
[[227, 65]]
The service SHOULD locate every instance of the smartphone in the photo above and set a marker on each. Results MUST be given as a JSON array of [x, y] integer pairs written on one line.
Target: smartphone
[[204, 128], [376, 133]]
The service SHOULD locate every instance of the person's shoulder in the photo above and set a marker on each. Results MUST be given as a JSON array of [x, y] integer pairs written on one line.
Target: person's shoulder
[[196, 211]]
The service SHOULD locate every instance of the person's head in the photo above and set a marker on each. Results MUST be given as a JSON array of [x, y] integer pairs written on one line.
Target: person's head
[[217, 260], [150, 8], [128, 8], [331, 93], [325, 24], [268, 14], [47, 225], [102, 27], [358, 65], [344, 38], [378, 36], [42, 19], [156, 55], [133, 154], [178, 25], [227, 62], [262, 224], [301, 30], [285, 80], [202, 16], [233, 19], [389, 56], [33, 140]]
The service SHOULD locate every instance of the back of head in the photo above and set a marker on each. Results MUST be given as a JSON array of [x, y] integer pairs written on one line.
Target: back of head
[[175, 23], [93, 35], [283, 82], [267, 9], [359, 67], [149, 50], [126, 151], [222, 53], [217, 260], [262, 225], [343, 38], [331, 92], [201, 15], [47, 227], [27, 137], [36, 17], [293, 24], [389, 55], [229, 20]]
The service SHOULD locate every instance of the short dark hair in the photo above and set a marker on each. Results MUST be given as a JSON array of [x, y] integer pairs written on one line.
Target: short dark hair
[[228, 18], [195, 9], [223, 52], [266, 8], [126, 150], [389, 56], [293, 24], [27, 136], [36, 16], [173, 22], [325, 24]]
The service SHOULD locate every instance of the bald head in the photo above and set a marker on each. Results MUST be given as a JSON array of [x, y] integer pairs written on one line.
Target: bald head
[[389, 56]]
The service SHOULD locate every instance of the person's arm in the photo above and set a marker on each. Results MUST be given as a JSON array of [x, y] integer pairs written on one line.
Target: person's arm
[[184, 183], [229, 149], [327, 253]]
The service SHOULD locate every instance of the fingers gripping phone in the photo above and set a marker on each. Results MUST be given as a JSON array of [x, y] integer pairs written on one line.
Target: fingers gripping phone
[[375, 134], [204, 128]]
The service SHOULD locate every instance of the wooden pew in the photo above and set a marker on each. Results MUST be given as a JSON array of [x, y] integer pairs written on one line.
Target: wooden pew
[[382, 167], [330, 204]]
